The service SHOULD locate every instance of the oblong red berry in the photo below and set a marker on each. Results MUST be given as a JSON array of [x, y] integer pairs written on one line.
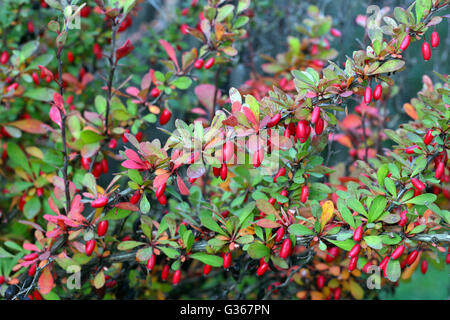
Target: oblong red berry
[[419, 185], [354, 251], [262, 269], [227, 260], [165, 272], [89, 248], [223, 171], [412, 257], [426, 51], [160, 190], [32, 270], [162, 200], [428, 137], [102, 228], [384, 262], [405, 42], [176, 277], [434, 40], [424, 266], [279, 234], [104, 164], [397, 252], [209, 63], [358, 233], [151, 262], [155, 92], [165, 117], [320, 124], [207, 269], [439, 170], [377, 91], [368, 95], [274, 120], [332, 254], [100, 202], [315, 115], [285, 248], [135, 197], [31, 256], [304, 194], [198, 64], [281, 172], [352, 264]]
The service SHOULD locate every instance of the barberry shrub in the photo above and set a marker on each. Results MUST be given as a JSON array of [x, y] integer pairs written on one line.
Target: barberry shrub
[[235, 196]]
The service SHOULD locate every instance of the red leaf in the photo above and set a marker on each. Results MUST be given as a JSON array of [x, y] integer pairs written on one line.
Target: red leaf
[[127, 206], [182, 186], [170, 52], [46, 281], [55, 115], [205, 94], [266, 223], [59, 101]]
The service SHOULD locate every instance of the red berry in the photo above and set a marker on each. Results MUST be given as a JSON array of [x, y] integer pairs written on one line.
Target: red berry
[[315, 115], [135, 197], [209, 63], [112, 144], [412, 257], [405, 42], [397, 252], [32, 270], [198, 64], [207, 269], [30, 27], [285, 248], [332, 254], [384, 263], [184, 28], [85, 11], [368, 95], [257, 158], [97, 170], [304, 194], [424, 266], [223, 171], [352, 264], [102, 228], [274, 120], [262, 269], [104, 164], [35, 78], [227, 260], [2, 279], [139, 136], [165, 272], [439, 170], [281, 172], [410, 150], [216, 171], [426, 51], [419, 185], [428, 137], [280, 234], [70, 56], [377, 91], [358, 233], [162, 200], [90, 245], [100, 202], [301, 131], [434, 39], [335, 33], [272, 201], [319, 126], [354, 251], [176, 277], [4, 57], [165, 117], [151, 262], [155, 92], [320, 281], [403, 218], [337, 293], [160, 190], [31, 256]]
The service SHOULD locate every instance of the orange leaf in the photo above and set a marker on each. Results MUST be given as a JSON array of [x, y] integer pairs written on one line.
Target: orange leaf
[[327, 213], [30, 126], [410, 111]]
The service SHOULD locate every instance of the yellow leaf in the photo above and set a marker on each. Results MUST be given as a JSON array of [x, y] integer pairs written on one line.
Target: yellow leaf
[[35, 152], [356, 290], [316, 295], [99, 280], [327, 213]]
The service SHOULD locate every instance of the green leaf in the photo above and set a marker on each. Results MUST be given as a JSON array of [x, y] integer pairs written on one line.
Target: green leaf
[[418, 229], [345, 213], [89, 136], [377, 208], [258, 250], [127, 245], [32, 208], [209, 259], [382, 174], [224, 12], [356, 206], [144, 205], [17, 157], [170, 252], [40, 94], [422, 6], [347, 245], [374, 242], [393, 270], [389, 66], [182, 83], [300, 230], [423, 199], [116, 214], [208, 222], [390, 186]]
